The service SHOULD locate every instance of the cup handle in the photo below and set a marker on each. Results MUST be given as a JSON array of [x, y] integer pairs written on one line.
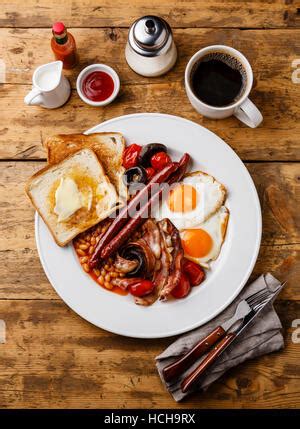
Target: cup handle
[[29, 98], [249, 114]]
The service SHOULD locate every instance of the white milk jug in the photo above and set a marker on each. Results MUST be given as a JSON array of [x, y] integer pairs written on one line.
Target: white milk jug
[[51, 88]]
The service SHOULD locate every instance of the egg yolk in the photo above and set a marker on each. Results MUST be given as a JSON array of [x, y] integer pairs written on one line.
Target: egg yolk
[[196, 242], [183, 198]]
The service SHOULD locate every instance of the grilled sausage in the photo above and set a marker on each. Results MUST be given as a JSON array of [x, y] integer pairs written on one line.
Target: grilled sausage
[[140, 215], [122, 217]]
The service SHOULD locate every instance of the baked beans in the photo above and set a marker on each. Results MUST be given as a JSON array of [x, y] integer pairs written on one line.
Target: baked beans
[[84, 246]]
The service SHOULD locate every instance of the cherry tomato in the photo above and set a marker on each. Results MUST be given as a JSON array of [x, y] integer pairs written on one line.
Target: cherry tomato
[[141, 288], [183, 288], [131, 154], [160, 160], [194, 272], [150, 173]]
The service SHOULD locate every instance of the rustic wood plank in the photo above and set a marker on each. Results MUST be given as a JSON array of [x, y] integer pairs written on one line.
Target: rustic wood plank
[[24, 278], [53, 358], [23, 127], [179, 13], [21, 275], [23, 50], [44, 361]]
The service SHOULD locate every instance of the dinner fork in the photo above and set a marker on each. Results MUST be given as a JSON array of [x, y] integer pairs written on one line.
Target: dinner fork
[[246, 306]]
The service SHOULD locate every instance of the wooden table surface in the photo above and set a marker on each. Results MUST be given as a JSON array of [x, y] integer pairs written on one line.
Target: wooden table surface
[[53, 358]]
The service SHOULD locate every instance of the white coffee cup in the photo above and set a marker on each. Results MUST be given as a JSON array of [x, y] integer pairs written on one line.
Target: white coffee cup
[[50, 88], [243, 108]]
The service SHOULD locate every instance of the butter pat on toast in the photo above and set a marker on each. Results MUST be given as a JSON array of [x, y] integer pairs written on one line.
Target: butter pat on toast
[[73, 195]]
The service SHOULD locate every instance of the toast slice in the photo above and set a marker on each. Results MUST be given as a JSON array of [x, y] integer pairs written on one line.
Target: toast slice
[[73, 195], [109, 148]]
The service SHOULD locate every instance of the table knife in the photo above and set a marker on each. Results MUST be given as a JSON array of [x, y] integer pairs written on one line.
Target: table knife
[[222, 345]]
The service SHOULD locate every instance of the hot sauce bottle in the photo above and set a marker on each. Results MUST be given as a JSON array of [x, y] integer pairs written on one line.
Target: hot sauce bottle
[[63, 45]]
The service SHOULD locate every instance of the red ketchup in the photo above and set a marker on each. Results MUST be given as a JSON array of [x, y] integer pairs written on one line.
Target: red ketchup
[[98, 86]]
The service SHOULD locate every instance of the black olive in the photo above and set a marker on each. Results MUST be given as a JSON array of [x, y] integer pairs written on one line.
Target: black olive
[[133, 254], [134, 175], [148, 151]]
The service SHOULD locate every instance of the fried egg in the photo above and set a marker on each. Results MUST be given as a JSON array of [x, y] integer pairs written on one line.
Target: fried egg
[[191, 201], [203, 243]]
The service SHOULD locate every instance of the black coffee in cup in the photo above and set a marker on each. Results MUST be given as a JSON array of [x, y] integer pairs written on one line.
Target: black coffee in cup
[[218, 79]]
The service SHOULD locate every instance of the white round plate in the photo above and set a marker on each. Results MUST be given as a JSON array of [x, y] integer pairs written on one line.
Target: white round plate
[[229, 272]]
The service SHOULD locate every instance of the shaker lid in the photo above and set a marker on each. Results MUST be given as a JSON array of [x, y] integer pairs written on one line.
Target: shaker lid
[[150, 35]]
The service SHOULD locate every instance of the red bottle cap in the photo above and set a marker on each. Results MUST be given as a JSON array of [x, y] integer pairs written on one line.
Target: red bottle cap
[[58, 27]]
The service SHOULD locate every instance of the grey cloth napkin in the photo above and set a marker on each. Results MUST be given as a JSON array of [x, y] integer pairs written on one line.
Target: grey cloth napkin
[[261, 337]]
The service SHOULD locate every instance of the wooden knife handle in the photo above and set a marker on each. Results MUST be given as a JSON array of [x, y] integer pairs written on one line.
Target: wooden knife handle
[[207, 362], [179, 366]]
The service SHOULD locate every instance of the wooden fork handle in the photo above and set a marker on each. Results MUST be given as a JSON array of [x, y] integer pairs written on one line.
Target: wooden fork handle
[[193, 377], [179, 366]]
